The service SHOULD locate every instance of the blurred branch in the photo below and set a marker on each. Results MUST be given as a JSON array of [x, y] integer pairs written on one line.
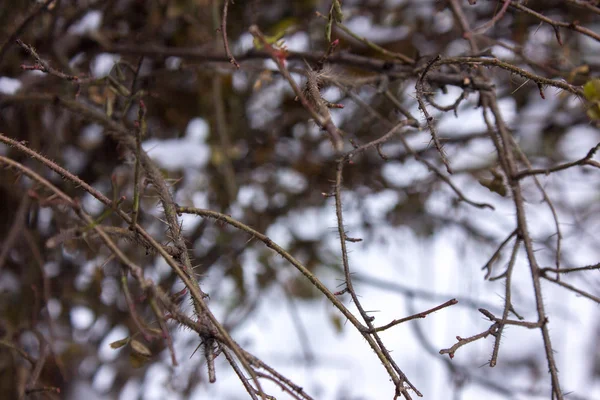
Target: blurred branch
[[587, 160], [16, 228], [398, 56], [34, 12], [556, 24]]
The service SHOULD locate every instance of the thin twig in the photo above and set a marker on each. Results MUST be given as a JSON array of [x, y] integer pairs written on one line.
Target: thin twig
[[398, 56], [421, 314], [325, 122], [507, 303], [224, 33], [420, 93]]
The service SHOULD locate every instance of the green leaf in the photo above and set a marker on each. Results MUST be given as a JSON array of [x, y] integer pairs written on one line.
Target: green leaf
[[594, 111], [257, 44], [328, 29], [337, 11], [591, 90], [282, 27], [275, 40]]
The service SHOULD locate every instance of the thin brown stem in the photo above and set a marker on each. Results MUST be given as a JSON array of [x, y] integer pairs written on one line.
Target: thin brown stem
[[224, 33]]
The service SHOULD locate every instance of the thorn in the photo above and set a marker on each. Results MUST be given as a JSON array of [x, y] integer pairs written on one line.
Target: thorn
[[353, 240]]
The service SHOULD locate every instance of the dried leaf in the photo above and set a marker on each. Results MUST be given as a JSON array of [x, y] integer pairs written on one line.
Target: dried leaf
[[140, 348], [137, 360], [336, 321], [591, 90], [120, 343], [495, 185]]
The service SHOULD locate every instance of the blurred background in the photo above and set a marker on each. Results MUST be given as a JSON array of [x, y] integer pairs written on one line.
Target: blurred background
[[236, 141]]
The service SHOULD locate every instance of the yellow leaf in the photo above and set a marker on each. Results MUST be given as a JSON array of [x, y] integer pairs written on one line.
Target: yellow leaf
[[257, 44], [594, 112], [591, 90], [281, 28]]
